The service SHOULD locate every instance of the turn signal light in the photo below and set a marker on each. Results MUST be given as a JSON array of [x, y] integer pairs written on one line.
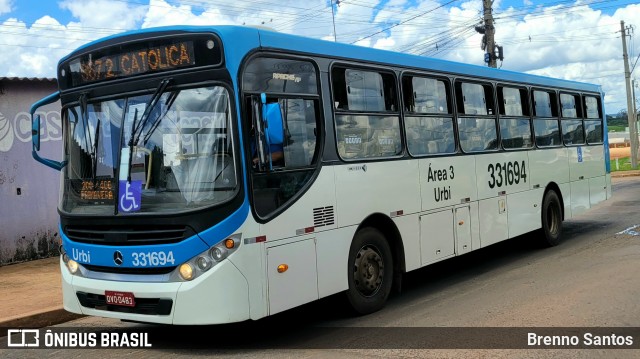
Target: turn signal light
[[229, 243], [282, 268]]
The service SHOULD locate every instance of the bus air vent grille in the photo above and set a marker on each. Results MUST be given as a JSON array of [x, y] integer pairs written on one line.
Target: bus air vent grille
[[128, 235], [323, 216]]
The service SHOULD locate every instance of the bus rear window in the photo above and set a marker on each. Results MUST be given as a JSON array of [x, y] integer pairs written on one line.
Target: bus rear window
[[592, 107]]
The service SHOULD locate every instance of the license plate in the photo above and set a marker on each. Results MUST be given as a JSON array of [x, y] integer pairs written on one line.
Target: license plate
[[120, 298]]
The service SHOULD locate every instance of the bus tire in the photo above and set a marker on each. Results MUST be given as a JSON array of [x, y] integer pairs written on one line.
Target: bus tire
[[551, 219], [370, 271]]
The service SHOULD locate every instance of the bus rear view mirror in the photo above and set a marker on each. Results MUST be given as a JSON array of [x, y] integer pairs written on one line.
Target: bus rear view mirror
[[35, 132]]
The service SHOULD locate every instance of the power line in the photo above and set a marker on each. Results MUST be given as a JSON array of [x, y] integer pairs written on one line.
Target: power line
[[409, 19]]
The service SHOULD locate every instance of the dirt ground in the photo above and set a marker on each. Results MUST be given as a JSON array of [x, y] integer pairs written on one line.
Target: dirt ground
[[621, 152]]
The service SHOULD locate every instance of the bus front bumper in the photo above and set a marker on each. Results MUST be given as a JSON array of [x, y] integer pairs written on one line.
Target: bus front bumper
[[221, 295]]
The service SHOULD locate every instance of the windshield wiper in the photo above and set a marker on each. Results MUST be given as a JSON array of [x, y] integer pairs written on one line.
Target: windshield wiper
[[172, 97], [93, 149], [136, 127]]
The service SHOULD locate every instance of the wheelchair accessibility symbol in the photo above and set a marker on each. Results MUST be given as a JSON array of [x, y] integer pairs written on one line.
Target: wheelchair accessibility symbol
[[129, 196]]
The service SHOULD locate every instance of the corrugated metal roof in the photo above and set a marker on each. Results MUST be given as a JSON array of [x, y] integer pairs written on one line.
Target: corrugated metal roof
[[39, 79]]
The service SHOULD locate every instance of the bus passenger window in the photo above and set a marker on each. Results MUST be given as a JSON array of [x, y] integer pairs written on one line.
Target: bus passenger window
[[544, 104], [362, 136], [547, 133], [376, 134], [430, 135], [513, 101], [425, 95], [474, 99], [592, 107], [569, 106], [593, 128], [477, 134], [572, 132], [360, 90], [515, 133]]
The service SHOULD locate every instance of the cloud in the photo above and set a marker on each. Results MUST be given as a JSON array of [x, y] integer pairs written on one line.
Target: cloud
[[5, 6], [106, 14], [569, 40]]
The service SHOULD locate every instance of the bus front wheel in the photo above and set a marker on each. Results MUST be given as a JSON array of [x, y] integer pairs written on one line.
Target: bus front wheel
[[370, 271], [551, 219]]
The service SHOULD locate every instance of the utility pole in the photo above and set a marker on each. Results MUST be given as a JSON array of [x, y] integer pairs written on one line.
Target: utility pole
[[490, 32], [635, 107], [633, 131], [333, 17]]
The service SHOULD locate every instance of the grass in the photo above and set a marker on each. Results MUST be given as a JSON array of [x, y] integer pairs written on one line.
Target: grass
[[616, 128], [624, 164]]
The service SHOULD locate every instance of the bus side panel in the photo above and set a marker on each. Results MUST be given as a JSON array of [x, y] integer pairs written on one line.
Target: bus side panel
[[502, 173], [548, 165], [493, 220], [586, 162], [447, 181], [293, 221], [250, 259], [580, 197], [596, 173], [408, 227], [597, 190], [499, 175], [382, 187], [332, 250], [296, 284], [565, 191], [525, 211]]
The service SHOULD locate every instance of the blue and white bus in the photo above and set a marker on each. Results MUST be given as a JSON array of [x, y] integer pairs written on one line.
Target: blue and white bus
[[219, 174]]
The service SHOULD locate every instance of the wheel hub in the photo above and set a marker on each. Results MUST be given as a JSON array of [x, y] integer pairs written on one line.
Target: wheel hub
[[368, 271]]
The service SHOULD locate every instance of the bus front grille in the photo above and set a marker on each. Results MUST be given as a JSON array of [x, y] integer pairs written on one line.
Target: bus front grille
[[124, 270], [129, 235]]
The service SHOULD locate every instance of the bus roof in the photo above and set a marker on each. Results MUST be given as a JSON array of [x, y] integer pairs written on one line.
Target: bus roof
[[281, 41]]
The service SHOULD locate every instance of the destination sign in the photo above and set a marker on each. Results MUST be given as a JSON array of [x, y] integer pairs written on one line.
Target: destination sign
[[139, 58], [134, 62], [100, 190]]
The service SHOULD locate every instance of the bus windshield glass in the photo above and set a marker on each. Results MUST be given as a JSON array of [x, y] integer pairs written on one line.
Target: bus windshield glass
[[136, 155]]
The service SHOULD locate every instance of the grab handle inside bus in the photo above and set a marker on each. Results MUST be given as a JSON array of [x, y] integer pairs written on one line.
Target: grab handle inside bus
[[35, 132]]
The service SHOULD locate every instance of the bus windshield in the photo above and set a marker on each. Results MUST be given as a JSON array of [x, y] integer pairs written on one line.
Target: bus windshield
[[136, 155]]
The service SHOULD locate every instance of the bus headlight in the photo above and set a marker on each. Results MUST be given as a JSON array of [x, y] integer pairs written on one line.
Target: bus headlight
[[186, 271], [208, 259], [73, 266], [203, 263], [218, 254]]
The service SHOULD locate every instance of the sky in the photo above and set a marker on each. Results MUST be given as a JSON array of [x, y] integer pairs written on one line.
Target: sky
[[575, 40]]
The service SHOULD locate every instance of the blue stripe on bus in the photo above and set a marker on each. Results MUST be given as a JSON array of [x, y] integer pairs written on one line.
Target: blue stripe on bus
[[101, 255]]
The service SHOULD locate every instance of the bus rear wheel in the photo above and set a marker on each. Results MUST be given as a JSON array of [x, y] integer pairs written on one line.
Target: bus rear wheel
[[551, 219], [370, 271]]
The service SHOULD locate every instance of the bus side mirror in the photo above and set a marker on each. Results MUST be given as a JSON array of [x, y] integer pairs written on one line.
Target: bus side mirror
[[35, 132]]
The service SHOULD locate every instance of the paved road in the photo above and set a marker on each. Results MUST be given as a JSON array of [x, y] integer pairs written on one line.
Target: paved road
[[589, 280]]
